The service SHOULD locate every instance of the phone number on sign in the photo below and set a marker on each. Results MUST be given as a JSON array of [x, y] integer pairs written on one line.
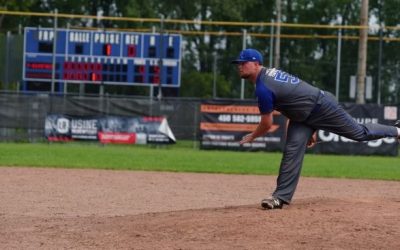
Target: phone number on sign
[[239, 118]]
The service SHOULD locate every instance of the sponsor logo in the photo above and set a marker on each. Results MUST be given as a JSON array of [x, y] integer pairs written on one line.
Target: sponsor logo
[[112, 137], [62, 126], [331, 137]]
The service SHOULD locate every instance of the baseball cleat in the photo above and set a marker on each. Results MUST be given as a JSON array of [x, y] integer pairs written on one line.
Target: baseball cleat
[[272, 203]]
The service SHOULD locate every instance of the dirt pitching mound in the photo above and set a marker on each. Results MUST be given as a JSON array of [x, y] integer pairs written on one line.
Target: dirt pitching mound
[[98, 209]]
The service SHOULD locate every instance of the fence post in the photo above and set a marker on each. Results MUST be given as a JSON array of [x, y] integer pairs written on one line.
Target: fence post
[[242, 80], [338, 58], [215, 76], [271, 44], [160, 62], [380, 63], [7, 61], [195, 122], [53, 72]]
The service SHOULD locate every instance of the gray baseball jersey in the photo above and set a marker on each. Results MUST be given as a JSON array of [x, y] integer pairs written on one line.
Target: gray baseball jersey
[[278, 90]]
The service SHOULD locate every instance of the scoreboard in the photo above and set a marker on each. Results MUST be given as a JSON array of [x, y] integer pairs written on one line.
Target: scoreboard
[[106, 57]]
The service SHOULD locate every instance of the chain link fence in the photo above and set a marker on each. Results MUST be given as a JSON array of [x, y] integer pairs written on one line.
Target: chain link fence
[[11, 52], [22, 117]]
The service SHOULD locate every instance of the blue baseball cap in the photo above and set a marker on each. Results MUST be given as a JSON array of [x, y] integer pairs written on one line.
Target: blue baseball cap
[[249, 55]]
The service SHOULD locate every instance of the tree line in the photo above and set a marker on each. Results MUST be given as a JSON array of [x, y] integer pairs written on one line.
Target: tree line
[[305, 52]]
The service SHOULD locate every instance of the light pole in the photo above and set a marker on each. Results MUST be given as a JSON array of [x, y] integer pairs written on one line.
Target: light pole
[[362, 53]]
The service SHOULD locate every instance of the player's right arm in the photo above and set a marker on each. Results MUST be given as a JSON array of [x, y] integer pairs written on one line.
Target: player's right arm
[[262, 128]]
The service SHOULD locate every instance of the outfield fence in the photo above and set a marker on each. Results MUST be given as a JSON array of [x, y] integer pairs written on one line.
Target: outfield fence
[[22, 116]]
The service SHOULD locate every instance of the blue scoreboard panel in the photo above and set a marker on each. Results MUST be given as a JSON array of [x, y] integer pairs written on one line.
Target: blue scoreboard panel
[[107, 57]]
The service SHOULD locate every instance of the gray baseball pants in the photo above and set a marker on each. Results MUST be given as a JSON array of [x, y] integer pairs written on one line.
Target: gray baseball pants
[[329, 116]]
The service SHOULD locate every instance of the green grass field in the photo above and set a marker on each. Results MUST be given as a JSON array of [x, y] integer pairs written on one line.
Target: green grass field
[[183, 157]]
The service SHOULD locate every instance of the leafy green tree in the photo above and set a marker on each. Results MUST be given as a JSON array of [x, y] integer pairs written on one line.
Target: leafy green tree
[[201, 85], [313, 60], [12, 22], [388, 14], [200, 50]]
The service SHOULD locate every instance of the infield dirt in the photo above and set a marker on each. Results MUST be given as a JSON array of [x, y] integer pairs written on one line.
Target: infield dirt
[[102, 209]]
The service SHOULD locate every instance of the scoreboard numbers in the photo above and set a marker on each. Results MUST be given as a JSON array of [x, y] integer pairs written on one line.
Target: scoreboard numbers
[[106, 57]]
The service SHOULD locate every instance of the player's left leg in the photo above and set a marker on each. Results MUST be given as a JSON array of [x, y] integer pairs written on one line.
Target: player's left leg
[[333, 118], [297, 137]]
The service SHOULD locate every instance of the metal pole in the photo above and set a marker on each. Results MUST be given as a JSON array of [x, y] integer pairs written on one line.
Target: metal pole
[[215, 76], [242, 81], [362, 53], [380, 5], [7, 61], [101, 89], [66, 58], [160, 62], [278, 33], [271, 44], [53, 72], [339, 52], [195, 124], [151, 94], [380, 63]]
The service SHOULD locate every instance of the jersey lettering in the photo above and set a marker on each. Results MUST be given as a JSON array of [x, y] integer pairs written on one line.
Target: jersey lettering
[[284, 77]]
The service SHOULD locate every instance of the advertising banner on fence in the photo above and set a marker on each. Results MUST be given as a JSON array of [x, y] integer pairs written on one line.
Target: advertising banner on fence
[[224, 124], [108, 129], [368, 113]]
